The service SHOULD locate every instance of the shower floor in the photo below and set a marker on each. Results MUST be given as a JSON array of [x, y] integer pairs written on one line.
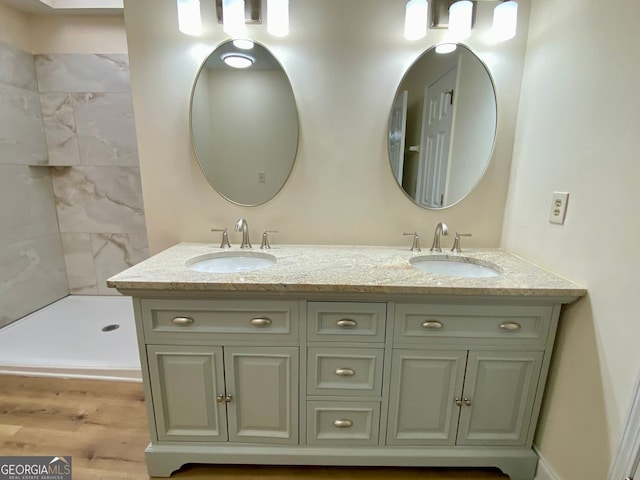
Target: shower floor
[[66, 339]]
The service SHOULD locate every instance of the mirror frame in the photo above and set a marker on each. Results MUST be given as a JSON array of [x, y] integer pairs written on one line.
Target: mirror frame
[[193, 145], [495, 135]]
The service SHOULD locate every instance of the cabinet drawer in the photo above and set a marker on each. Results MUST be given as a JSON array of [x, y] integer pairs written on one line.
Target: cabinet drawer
[[341, 371], [346, 321], [343, 423], [525, 326], [170, 320]]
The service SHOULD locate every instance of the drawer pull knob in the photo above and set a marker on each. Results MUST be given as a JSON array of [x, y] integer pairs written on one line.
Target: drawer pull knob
[[345, 372], [183, 320], [342, 423], [347, 323], [260, 322], [510, 326], [467, 402], [458, 401], [220, 398], [228, 399], [432, 324]]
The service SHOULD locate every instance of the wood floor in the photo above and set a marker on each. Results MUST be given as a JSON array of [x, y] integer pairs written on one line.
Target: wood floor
[[103, 426]]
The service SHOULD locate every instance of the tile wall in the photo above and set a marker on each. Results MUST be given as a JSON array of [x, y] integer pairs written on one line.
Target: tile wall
[[90, 133], [71, 211], [32, 270]]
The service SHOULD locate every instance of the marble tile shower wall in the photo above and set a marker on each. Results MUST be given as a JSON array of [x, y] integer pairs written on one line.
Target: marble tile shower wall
[[90, 134], [32, 270]]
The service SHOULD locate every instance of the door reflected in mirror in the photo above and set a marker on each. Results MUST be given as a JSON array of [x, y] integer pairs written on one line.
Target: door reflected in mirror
[[244, 123], [442, 127]]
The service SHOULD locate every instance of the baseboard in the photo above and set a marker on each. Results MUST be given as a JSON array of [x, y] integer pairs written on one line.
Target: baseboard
[[544, 471]]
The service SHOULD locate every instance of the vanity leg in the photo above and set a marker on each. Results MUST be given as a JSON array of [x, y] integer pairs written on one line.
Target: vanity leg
[[521, 469], [162, 464]]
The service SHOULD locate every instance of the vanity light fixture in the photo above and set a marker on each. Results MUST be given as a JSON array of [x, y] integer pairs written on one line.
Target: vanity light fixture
[[460, 18], [233, 17], [415, 20], [238, 60], [189, 21], [278, 17], [505, 21]]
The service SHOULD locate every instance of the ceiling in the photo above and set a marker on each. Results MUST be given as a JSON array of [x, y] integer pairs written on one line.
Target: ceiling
[[67, 7]]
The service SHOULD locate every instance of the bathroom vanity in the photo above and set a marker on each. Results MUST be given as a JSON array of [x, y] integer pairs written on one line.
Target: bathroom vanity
[[343, 356]]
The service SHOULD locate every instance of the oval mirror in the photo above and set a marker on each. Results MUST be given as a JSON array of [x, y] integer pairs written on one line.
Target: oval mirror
[[244, 123], [442, 126]]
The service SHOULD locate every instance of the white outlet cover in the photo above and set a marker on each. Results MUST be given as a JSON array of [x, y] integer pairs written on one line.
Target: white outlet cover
[[558, 210]]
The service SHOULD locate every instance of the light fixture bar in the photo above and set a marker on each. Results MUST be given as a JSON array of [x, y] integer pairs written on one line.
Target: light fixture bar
[[505, 21], [415, 20], [278, 17], [189, 20]]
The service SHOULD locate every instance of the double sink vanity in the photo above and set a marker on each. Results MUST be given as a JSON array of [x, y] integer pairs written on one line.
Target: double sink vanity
[[343, 355]]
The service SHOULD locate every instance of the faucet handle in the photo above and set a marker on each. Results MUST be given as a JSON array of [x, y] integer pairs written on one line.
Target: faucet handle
[[225, 237], [265, 239], [456, 242], [415, 246]]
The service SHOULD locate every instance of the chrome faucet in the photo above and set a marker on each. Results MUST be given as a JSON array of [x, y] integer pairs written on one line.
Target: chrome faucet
[[241, 225], [441, 229]]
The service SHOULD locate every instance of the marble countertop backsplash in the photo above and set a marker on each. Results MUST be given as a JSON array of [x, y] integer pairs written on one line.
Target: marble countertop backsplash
[[343, 269]]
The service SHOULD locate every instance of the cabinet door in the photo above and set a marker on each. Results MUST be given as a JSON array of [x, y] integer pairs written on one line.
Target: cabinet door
[[263, 385], [185, 383], [499, 392], [422, 404]]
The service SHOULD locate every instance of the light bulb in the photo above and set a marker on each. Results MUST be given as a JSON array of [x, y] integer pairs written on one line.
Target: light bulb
[[460, 15], [238, 60], [415, 20], [443, 48], [278, 17], [189, 21], [505, 21], [233, 17]]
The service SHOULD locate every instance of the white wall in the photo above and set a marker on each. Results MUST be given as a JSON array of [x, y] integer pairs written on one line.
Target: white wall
[[345, 60], [77, 34], [14, 28], [578, 131]]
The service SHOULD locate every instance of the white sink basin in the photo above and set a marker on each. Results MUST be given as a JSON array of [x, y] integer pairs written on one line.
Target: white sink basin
[[231, 262], [455, 266]]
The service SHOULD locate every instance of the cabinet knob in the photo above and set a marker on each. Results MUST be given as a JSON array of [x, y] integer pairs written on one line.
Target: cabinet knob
[[220, 398], [458, 401], [347, 323], [431, 324], [260, 322], [342, 423], [467, 402], [183, 320], [510, 326], [228, 398], [345, 372]]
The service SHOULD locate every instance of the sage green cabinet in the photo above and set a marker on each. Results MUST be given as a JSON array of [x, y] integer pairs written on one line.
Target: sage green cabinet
[[185, 383], [424, 385], [360, 380], [219, 394], [498, 396], [462, 398]]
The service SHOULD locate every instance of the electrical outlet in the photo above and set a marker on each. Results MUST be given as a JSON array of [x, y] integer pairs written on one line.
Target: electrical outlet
[[262, 178], [558, 211]]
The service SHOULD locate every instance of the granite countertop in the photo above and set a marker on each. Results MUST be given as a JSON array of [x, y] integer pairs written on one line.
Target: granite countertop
[[343, 269]]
